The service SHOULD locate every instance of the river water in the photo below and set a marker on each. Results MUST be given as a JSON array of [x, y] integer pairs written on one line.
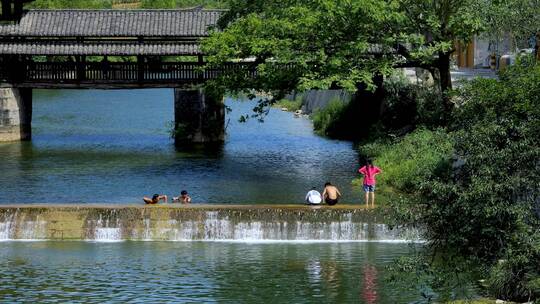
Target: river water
[[199, 272], [113, 146]]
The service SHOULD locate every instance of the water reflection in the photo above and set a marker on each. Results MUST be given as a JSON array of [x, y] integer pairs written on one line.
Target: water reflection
[[114, 147], [78, 272], [369, 284]]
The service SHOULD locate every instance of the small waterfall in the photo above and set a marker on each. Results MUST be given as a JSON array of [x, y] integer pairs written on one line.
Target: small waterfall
[[5, 231], [108, 235], [103, 232], [240, 223], [32, 230]]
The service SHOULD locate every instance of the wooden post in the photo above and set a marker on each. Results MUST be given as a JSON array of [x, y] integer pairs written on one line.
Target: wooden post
[[537, 47], [140, 69], [18, 8], [200, 74], [6, 9]]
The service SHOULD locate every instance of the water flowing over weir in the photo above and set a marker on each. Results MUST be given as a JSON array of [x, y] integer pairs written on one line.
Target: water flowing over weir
[[198, 223]]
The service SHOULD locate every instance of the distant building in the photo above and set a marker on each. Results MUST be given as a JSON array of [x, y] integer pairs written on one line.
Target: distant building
[[477, 53]]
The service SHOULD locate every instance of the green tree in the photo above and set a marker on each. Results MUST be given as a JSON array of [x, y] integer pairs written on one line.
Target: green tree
[[346, 44], [519, 19], [300, 45], [486, 207], [440, 24]]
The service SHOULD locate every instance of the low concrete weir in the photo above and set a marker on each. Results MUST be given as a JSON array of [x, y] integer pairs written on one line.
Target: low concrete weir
[[244, 223]]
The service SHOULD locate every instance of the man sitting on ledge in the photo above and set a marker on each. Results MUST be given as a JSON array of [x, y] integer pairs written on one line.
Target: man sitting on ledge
[[331, 194], [155, 199]]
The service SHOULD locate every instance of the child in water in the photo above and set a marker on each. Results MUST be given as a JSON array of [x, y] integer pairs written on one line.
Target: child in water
[[155, 199], [369, 171]]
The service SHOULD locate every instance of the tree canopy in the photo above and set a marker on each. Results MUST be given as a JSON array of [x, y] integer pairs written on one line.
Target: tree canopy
[[321, 44]]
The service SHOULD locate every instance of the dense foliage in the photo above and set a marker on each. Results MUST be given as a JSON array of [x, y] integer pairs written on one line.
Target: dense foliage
[[303, 44], [486, 207], [300, 45]]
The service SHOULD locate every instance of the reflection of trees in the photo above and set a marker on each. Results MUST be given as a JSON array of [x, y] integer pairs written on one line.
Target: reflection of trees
[[284, 273]]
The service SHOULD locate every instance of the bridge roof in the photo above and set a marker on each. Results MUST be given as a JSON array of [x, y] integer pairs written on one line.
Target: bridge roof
[[110, 49], [113, 23]]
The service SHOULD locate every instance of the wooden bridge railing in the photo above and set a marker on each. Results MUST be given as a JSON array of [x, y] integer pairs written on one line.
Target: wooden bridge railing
[[125, 72]]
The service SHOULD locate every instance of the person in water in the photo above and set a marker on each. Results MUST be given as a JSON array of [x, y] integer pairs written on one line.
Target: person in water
[[331, 194], [313, 197], [184, 198], [155, 199], [369, 171]]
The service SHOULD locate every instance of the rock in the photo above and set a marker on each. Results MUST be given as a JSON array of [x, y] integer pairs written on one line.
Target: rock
[[284, 109], [499, 301]]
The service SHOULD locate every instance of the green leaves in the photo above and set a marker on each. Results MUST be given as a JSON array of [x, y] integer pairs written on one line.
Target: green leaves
[[324, 43]]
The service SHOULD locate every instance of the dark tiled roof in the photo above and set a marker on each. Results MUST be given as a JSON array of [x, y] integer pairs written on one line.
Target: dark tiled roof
[[113, 23], [112, 49]]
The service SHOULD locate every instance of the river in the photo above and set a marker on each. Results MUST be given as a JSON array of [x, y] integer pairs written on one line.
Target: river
[[199, 272], [113, 146]]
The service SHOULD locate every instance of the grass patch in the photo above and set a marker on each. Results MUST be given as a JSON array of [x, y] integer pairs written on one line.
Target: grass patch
[[327, 121]]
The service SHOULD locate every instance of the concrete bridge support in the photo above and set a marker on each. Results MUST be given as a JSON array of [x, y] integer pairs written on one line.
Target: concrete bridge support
[[199, 117], [15, 114]]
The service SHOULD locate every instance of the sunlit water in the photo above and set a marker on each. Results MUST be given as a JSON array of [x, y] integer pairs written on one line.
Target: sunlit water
[[114, 147], [199, 272]]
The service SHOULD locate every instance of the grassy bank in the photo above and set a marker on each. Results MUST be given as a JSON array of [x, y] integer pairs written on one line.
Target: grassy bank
[[289, 105], [409, 161]]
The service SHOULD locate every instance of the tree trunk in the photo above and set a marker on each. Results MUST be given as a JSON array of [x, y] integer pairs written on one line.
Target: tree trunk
[[445, 80], [537, 47], [443, 65]]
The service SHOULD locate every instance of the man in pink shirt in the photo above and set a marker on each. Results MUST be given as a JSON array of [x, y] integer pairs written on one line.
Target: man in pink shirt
[[369, 171]]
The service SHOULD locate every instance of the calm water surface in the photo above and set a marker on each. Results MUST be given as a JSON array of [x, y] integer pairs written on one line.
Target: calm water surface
[[114, 147], [46, 272]]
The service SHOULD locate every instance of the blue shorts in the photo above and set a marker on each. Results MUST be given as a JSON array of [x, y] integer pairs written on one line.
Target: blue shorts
[[369, 188]]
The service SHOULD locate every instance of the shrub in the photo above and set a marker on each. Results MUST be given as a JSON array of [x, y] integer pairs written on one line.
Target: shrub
[[331, 121], [486, 208], [290, 105]]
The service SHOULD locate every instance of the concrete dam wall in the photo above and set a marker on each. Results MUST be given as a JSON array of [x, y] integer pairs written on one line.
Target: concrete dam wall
[[197, 223]]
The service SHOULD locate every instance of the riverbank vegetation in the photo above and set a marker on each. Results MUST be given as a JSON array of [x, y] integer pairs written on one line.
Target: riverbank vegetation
[[289, 105], [479, 202], [467, 158]]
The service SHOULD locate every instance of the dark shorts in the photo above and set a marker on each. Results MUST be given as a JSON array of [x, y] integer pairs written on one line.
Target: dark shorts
[[369, 188], [331, 202]]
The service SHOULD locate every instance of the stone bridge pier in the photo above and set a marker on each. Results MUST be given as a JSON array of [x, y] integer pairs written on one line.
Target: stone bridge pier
[[199, 117], [15, 114]]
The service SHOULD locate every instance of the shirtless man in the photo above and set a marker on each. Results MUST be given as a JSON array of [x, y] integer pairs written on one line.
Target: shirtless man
[[331, 194], [155, 199], [184, 198]]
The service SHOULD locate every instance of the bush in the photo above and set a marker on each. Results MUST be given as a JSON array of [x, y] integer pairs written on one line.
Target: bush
[[332, 120], [290, 105], [486, 208]]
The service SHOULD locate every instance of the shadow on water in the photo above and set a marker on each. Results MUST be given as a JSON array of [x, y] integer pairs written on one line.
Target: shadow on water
[[208, 150]]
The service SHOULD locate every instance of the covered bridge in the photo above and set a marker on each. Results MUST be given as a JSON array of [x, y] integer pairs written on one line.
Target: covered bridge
[[92, 48], [111, 49]]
